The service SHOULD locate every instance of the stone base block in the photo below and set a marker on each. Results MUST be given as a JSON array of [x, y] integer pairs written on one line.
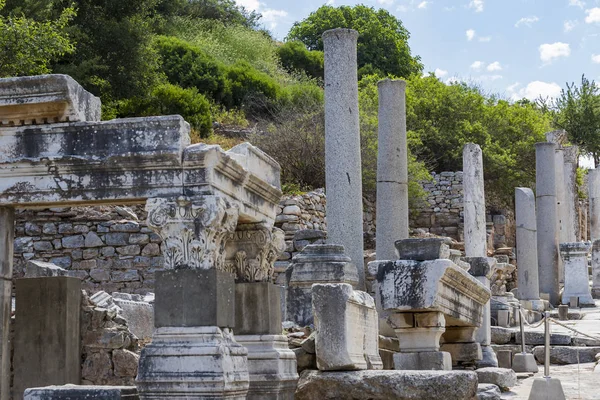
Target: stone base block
[[425, 361], [271, 367], [547, 389], [257, 309], [585, 299], [76, 392], [489, 358], [463, 353], [535, 305], [193, 362], [179, 292], [387, 357], [379, 385], [524, 362], [596, 292]]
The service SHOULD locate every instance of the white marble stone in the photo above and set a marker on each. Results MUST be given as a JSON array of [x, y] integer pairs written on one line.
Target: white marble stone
[[594, 199], [527, 261], [346, 326], [577, 284], [193, 362], [474, 202], [343, 178], [596, 269], [392, 168], [271, 367], [547, 225]]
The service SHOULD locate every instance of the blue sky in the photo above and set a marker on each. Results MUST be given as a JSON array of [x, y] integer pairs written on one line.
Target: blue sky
[[515, 48]]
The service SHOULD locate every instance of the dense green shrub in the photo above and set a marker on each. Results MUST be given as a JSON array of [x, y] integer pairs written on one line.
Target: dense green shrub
[[296, 57], [252, 89], [188, 66], [169, 99]]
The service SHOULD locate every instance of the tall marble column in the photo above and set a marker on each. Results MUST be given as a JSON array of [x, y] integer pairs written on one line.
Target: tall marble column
[[343, 178], [7, 234], [547, 234], [474, 202], [482, 267], [193, 353], [594, 218], [527, 260], [392, 168], [561, 198], [571, 155]]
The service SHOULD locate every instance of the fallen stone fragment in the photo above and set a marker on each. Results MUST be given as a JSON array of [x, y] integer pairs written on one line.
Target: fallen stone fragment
[[71, 392], [502, 335], [563, 355], [385, 385], [488, 391], [504, 378], [537, 338]]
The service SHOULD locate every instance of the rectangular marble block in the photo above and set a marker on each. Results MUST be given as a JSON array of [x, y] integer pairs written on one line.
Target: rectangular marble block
[[47, 337], [257, 309], [427, 360], [346, 325], [76, 392], [422, 249], [194, 297], [46, 99]]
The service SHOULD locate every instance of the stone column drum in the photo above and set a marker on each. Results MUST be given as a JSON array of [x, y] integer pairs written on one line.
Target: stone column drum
[[547, 235], [343, 178], [193, 353], [571, 156], [392, 168], [527, 261], [577, 284]]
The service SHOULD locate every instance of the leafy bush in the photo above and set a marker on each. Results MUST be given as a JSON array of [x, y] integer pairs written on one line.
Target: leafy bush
[[188, 66], [251, 89], [169, 99], [295, 57]]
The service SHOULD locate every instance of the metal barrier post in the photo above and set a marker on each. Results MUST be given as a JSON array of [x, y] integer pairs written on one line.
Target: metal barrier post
[[547, 345]]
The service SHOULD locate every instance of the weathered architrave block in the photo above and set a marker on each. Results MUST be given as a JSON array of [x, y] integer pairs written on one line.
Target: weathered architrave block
[[45, 99], [127, 160], [47, 336], [346, 325]]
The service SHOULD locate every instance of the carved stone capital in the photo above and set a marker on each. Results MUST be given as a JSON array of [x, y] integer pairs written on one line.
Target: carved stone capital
[[193, 231], [251, 251]]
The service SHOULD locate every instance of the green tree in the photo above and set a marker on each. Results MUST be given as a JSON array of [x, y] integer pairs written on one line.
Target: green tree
[[382, 44], [577, 110], [226, 11], [296, 57], [27, 47]]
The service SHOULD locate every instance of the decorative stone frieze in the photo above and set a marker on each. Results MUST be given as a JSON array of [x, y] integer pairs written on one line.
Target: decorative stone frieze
[[251, 252], [193, 232]]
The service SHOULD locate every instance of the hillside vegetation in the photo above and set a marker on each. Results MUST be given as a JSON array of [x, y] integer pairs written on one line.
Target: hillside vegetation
[[211, 62]]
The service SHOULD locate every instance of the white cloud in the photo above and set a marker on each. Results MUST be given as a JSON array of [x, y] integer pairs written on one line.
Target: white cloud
[[402, 8], [527, 21], [250, 5], [593, 15], [423, 4], [477, 5], [272, 17], [477, 65], [495, 66], [596, 58], [386, 2], [569, 25], [577, 3], [440, 73], [470, 34], [485, 38], [533, 90], [548, 52]]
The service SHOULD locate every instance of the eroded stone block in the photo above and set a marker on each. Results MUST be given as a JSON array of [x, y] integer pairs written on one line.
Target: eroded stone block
[[346, 325]]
